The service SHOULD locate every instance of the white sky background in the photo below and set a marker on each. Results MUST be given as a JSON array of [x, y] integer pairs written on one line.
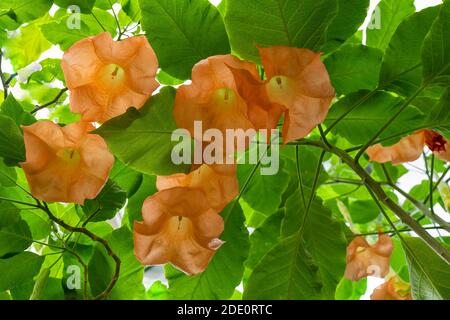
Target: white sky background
[[412, 178]]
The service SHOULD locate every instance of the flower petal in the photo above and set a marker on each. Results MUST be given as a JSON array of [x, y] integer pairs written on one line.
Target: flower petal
[[407, 149]]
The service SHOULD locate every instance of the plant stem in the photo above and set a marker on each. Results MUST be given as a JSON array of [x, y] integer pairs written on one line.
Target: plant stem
[[94, 237], [2, 78], [378, 191], [55, 100]]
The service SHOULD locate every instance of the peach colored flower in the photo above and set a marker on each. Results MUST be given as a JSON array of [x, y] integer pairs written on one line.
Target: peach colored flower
[[410, 148], [365, 260], [212, 97], [179, 227], [407, 149], [393, 289], [219, 183], [107, 77], [297, 80], [65, 164]]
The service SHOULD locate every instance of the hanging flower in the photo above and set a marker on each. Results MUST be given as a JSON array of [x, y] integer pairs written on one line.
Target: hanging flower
[[213, 99], [107, 77], [410, 148], [218, 182], [65, 164], [179, 227], [297, 84], [393, 289], [365, 260]]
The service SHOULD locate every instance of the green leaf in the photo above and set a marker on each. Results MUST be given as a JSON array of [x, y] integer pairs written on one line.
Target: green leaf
[[439, 117], [363, 211], [41, 283], [354, 67], [264, 238], [224, 272], [126, 178], [264, 192], [401, 70], [22, 11], [142, 138], [308, 263], [134, 207], [295, 23], [429, 274], [183, 32], [51, 71], [12, 147], [60, 31], [371, 114], [436, 49], [107, 203], [19, 269], [11, 108], [129, 286], [14, 238], [8, 175], [84, 5], [350, 290], [9, 214], [27, 47], [158, 291], [100, 270], [350, 16], [391, 14]]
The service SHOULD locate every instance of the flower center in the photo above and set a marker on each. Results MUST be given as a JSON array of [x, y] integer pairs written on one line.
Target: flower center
[[70, 156], [435, 141], [111, 77], [281, 90], [224, 97]]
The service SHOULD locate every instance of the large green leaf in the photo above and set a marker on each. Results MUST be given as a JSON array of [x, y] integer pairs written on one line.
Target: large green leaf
[[61, 31], [353, 68], [183, 32], [391, 13], [439, 117], [308, 263], [21, 11], [224, 272], [106, 205], [142, 138], [264, 192], [14, 238], [429, 274], [100, 270], [19, 269], [296, 23], [401, 70], [84, 5], [11, 108], [436, 49], [371, 114], [350, 16], [12, 147]]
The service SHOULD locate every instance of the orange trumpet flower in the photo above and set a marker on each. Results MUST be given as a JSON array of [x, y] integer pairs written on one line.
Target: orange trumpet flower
[[365, 260], [106, 77], [65, 164], [218, 182], [179, 227], [393, 289]]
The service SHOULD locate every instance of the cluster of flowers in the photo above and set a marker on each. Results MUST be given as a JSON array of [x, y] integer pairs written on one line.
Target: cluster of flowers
[[181, 222]]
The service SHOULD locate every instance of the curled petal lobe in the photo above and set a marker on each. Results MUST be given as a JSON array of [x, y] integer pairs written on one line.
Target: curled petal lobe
[[179, 228], [408, 149], [218, 182], [65, 164], [364, 260], [392, 289], [106, 77]]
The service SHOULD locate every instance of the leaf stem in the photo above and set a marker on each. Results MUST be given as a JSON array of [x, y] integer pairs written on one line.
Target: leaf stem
[[55, 100]]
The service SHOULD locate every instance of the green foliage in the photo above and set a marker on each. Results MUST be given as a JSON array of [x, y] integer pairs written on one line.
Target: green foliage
[[297, 23], [183, 32]]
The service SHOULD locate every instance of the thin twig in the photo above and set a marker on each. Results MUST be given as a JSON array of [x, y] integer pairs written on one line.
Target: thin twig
[[55, 100]]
